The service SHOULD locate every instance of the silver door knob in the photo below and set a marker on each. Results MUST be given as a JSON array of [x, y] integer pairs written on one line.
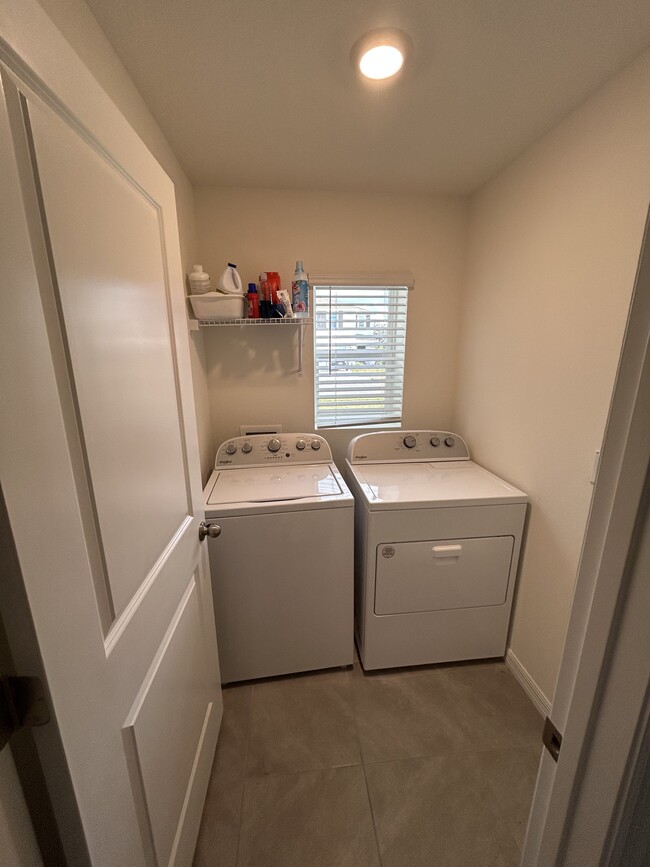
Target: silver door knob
[[211, 530]]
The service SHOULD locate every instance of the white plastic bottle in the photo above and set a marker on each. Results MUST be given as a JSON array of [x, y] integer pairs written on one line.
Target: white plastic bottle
[[230, 282], [300, 292], [199, 280]]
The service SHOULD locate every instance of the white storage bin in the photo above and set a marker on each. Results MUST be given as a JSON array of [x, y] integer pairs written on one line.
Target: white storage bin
[[216, 305]]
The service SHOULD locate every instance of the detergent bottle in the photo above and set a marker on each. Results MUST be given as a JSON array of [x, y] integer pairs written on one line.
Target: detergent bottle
[[300, 292], [230, 281]]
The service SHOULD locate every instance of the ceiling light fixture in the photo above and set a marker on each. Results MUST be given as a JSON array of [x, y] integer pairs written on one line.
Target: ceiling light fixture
[[380, 54]]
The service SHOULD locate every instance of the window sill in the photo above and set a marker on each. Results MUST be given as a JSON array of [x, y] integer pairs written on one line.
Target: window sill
[[366, 428]]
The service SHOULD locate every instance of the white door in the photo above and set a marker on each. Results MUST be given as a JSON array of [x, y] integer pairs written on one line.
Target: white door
[[99, 461]]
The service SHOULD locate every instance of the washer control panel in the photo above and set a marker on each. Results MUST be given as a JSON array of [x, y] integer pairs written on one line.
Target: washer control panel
[[417, 445], [260, 450]]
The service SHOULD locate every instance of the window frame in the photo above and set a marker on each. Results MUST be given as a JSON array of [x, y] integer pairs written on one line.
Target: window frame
[[392, 334]]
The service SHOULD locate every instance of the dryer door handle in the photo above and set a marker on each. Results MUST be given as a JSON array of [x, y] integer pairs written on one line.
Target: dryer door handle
[[447, 550]]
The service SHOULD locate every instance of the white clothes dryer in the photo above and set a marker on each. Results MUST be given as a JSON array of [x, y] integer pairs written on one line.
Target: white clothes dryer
[[437, 542], [282, 567]]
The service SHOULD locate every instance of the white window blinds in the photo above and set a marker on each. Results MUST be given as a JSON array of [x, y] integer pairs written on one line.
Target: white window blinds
[[359, 345]]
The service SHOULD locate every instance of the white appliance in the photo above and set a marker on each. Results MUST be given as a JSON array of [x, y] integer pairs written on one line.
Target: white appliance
[[437, 541], [282, 567]]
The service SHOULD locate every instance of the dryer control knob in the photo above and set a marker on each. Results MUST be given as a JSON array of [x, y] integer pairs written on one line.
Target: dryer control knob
[[231, 448], [435, 441], [300, 444], [315, 444], [450, 441], [274, 445], [409, 441], [247, 448]]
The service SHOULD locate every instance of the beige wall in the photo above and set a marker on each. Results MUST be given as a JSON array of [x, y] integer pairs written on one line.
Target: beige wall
[[553, 247], [80, 28], [251, 371]]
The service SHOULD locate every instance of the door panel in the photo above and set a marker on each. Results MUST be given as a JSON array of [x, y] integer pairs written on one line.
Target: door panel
[[442, 574], [168, 720], [98, 456], [105, 241]]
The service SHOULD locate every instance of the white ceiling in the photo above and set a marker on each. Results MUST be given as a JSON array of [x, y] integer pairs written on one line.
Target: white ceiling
[[261, 93]]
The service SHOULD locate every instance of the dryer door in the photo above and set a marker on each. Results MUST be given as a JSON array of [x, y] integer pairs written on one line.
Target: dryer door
[[442, 574]]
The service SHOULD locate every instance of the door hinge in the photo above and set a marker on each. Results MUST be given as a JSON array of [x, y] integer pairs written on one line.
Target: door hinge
[[22, 703], [552, 739]]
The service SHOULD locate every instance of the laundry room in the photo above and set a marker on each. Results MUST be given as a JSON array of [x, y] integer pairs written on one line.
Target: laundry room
[[495, 192]]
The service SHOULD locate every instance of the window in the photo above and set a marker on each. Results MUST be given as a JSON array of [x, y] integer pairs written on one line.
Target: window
[[359, 345]]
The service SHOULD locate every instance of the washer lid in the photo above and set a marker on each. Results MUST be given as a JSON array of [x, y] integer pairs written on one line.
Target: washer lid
[[452, 483], [274, 484]]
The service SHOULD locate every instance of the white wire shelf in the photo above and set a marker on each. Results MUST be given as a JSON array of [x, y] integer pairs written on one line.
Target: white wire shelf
[[259, 323], [213, 323]]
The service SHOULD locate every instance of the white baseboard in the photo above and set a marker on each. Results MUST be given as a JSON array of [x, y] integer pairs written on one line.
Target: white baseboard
[[535, 694]]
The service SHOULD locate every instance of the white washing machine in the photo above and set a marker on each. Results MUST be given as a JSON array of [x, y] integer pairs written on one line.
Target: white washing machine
[[437, 542], [282, 567]]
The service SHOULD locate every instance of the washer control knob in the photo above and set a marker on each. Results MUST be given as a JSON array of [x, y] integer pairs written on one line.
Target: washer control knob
[[231, 448], [435, 441], [300, 444], [450, 441], [409, 441], [315, 444], [247, 448], [274, 445]]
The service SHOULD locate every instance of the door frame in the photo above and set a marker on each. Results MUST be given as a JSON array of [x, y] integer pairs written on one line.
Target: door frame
[[600, 705], [38, 753]]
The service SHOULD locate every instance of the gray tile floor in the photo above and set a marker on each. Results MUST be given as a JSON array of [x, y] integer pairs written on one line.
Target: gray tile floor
[[430, 766]]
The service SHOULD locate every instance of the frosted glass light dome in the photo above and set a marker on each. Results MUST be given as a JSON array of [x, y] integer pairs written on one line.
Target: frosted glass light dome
[[381, 54], [382, 61]]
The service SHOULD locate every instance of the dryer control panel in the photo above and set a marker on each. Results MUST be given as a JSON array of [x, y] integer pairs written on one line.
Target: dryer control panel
[[416, 445], [260, 450]]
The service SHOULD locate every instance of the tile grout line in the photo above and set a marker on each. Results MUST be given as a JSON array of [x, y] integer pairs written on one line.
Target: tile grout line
[[461, 750], [268, 775], [363, 765], [243, 786]]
